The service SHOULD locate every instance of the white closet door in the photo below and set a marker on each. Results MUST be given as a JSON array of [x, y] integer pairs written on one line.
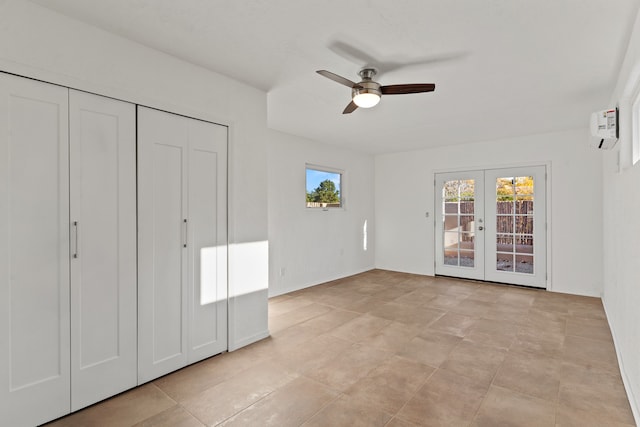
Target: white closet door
[[207, 239], [182, 196], [103, 246], [34, 252], [162, 255]]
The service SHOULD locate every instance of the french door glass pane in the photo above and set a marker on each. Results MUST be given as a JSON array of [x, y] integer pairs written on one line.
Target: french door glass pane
[[504, 262], [524, 185], [524, 264], [524, 206], [504, 243], [450, 207], [467, 241], [504, 207], [524, 224], [458, 198], [451, 223], [504, 189], [514, 224], [450, 258], [525, 245], [466, 258], [451, 245], [466, 223], [504, 223]]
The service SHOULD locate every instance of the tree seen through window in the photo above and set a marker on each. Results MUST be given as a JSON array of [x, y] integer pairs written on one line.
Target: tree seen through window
[[323, 189]]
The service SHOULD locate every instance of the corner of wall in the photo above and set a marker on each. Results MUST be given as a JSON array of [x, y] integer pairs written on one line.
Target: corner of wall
[[626, 380]]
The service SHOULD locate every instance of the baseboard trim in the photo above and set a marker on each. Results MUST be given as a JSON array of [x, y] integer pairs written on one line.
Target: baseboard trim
[[320, 282], [625, 380], [248, 340]]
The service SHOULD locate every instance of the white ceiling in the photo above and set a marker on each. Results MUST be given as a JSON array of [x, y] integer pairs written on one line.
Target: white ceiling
[[501, 67]]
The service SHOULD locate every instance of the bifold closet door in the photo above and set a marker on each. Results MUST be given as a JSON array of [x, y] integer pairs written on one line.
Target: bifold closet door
[[162, 266], [34, 252], [207, 234], [103, 247], [182, 241]]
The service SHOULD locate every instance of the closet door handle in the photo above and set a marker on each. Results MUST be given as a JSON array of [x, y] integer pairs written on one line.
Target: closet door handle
[[186, 230], [75, 248]]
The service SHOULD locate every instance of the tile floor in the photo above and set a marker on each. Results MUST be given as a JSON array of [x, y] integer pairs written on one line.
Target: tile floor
[[398, 350]]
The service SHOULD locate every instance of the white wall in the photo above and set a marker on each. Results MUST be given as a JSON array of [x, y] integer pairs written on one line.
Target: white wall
[[621, 232], [41, 44], [405, 191], [310, 246]]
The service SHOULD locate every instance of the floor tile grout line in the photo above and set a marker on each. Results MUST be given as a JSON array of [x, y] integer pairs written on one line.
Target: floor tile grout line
[[243, 409], [484, 398], [321, 409], [192, 414], [414, 394]]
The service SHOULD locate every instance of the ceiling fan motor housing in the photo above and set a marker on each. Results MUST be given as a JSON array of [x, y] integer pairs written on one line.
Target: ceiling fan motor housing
[[366, 86]]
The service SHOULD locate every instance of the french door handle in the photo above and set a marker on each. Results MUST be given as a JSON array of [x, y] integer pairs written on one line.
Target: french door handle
[[480, 228]]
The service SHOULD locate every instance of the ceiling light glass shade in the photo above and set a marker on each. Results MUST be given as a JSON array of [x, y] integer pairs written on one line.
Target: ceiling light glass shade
[[366, 100]]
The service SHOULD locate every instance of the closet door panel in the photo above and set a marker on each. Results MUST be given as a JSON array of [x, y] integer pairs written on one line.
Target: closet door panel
[[167, 268], [34, 251], [208, 237], [162, 322], [103, 264]]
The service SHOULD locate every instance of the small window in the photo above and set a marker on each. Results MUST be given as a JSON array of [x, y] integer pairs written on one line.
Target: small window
[[324, 188]]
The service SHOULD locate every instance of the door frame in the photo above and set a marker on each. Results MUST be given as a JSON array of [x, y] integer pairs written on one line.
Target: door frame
[[549, 198]]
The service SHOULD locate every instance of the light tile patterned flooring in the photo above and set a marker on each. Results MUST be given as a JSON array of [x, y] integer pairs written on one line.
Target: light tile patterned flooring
[[398, 350]]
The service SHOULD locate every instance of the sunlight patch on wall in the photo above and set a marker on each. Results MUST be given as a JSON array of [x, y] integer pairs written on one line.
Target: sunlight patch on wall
[[364, 236], [248, 267]]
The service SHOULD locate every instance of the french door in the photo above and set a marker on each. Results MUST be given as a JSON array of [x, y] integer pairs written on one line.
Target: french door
[[491, 225]]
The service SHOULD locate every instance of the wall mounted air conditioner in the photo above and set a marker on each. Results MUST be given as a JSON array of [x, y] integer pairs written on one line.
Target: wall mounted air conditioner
[[604, 129]]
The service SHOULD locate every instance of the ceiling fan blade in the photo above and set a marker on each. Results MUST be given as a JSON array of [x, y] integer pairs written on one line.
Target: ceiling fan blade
[[366, 57], [353, 54], [389, 66], [350, 108], [407, 88], [337, 78]]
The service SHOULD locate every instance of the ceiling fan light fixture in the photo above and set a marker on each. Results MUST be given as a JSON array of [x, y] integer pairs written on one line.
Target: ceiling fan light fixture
[[367, 94], [366, 99]]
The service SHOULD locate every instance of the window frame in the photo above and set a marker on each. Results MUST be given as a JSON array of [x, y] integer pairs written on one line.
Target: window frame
[[635, 125], [341, 189]]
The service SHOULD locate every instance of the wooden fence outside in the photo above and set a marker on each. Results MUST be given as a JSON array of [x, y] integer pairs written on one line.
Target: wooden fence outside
[[322, 205], [519, 231]]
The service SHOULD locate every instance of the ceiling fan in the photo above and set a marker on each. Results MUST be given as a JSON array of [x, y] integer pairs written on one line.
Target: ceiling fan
[[367, 93]]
